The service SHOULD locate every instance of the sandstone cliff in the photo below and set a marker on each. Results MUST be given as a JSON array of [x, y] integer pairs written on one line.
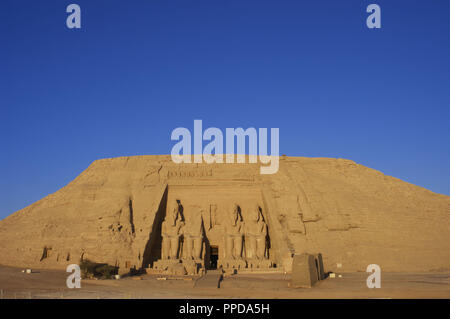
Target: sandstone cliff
[[352, 214]]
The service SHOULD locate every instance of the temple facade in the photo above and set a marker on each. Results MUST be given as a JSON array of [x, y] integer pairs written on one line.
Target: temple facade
[[225, 228]]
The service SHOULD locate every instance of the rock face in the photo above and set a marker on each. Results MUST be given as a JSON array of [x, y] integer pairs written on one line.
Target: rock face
[[113, 212]]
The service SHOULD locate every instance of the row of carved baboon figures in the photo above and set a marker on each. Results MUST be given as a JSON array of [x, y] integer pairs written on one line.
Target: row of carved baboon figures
[[191, 230]]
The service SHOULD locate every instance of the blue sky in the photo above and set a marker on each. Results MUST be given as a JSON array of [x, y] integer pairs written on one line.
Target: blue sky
[[138, 69]]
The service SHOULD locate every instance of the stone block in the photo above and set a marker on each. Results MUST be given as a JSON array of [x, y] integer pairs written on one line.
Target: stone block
[[177, 270], [304, 271]]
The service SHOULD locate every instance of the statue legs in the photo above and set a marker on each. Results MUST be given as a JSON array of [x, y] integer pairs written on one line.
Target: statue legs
[[237, 246], [193, 247], [197, 249], [250, 246], [174, 246], [188, 247], [234, 247], [165, 251], [230, 247], [260, 247], [169, 247]]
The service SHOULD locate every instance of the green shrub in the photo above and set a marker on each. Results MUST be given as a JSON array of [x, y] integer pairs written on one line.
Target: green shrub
[[91, 269]]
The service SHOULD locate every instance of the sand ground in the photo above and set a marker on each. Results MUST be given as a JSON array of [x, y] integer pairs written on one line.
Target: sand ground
[[52, 284]]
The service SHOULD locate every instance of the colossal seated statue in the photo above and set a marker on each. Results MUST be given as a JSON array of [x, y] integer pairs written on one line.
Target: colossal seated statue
[[255, 235], [193, 234], [171, 232], [234, 230]]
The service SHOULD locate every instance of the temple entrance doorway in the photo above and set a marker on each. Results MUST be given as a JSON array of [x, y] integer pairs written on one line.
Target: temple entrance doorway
[[213, 257]]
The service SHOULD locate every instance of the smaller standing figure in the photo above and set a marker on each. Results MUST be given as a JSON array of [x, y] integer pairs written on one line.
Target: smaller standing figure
[[171, 232]]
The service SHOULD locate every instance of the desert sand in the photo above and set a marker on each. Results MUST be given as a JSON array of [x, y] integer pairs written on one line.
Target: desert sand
[[50, 284]]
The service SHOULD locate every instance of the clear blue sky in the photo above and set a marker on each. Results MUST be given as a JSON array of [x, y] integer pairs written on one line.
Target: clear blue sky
[[140, 68]]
